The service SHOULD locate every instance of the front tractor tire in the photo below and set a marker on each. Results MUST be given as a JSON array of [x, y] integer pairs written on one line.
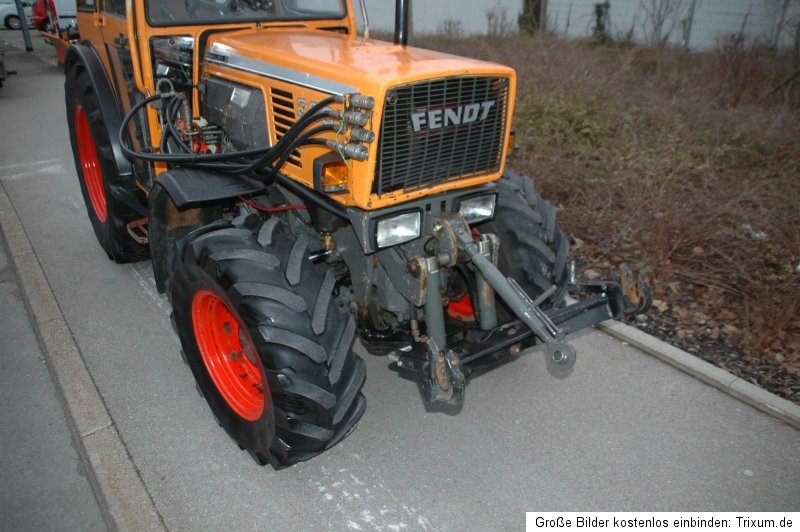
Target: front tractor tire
[[97, 172], [268, 346], [533, 251]]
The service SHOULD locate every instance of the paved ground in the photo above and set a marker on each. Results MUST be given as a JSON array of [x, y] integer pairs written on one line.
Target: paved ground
[[623, 432], [45, 485]]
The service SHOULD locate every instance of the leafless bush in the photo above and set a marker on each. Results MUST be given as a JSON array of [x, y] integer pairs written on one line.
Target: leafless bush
[[650, 163], [450, 29], [661, 17], [601, 30], [742, 62], [498, 22]]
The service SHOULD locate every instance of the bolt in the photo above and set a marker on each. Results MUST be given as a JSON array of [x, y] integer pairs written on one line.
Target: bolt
[[413, 267], [515, 350]]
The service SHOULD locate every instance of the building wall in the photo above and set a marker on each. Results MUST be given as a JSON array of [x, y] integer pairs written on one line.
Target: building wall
[[764, 19], [428, 15]]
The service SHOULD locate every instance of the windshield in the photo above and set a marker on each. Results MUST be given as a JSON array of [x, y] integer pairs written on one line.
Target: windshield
[[192, 12]]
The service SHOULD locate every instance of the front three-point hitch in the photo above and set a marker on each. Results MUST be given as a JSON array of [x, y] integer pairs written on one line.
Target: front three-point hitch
[[443, 369]]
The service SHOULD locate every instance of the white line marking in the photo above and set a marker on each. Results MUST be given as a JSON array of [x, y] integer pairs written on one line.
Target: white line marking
[[359, 506], [26, 165], [144, 277], [51, 170]]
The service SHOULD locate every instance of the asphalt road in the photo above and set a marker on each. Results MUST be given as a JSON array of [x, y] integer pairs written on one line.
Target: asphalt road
[[38, 461], [623, 432]]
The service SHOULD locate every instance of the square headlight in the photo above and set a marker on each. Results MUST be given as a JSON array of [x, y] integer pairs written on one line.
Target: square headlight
[[398, 229], [477, 208]]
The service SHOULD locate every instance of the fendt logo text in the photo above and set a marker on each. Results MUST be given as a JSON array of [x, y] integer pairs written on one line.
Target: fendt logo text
[[433, 119]]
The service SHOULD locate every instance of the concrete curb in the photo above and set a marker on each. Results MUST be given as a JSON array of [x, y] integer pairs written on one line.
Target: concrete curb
[[749, 393], [118, 487]]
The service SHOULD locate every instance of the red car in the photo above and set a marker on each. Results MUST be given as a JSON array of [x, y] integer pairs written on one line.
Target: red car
[[64, 8]]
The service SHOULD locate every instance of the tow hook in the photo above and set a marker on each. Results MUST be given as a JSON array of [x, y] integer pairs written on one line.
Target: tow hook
[[440, 376], [445, 382], [441, 372]]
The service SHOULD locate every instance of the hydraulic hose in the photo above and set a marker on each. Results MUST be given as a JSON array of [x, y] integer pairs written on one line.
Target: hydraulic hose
[[266, 155], [240, 162]]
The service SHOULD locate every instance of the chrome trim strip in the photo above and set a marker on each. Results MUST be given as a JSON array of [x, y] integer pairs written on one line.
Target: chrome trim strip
[[220, 54]]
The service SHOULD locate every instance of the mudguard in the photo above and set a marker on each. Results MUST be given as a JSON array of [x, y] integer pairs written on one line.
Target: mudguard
[[191, 187], [123, 188]]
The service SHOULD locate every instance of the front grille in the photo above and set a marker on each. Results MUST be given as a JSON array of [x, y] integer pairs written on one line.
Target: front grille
[[441, 130]]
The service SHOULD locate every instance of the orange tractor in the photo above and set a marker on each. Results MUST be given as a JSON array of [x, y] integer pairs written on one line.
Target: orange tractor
[[296, 185]]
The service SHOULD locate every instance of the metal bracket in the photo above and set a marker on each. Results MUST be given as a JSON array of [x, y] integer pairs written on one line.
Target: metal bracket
[[440, 375], [635, 291], [137, 229]]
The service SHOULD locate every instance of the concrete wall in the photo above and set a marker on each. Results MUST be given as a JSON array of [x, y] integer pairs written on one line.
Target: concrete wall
[[427, 15], [766, 19], [770, 20]]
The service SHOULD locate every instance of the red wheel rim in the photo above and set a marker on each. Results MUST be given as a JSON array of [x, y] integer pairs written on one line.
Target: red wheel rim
[[90, 165], [228, 354]]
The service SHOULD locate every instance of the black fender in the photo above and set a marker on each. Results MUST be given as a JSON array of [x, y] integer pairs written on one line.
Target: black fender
[[190, 187], [124, 189]]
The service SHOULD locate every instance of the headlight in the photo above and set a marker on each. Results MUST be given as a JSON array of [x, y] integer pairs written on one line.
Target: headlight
[[477, 209], [398, 229]]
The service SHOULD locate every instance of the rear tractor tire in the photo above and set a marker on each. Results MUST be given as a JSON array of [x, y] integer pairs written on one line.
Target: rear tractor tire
[[268, 346], [97, 172]]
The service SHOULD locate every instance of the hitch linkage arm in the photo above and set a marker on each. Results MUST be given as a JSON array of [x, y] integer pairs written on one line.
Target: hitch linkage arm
[[518, 301], [443, 371]]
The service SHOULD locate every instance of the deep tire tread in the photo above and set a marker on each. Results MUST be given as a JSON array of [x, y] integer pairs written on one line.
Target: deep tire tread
[[112, 234], [323, 302], [533, 251], [305, 340]]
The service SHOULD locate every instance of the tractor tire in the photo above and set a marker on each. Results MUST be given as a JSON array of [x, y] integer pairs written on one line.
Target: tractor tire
[[97, 172], [532, 249], [12, 22], [269, 348]]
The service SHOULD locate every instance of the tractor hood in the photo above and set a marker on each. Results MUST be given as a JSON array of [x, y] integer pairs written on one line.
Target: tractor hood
[[438, 121], [336, 63]]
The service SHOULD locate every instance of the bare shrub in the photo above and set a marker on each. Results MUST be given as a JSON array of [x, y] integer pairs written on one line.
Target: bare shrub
[[450, 29], [650, 163], [498, 22], [601, 30], [661, 17], [530, 18], [742, 63]]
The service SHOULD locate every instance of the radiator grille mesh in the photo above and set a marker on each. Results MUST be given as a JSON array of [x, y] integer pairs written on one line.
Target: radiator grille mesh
[[441, 130]]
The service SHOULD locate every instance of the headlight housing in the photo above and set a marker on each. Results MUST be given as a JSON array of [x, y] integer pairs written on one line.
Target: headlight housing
[[477, 208], [398, 228]]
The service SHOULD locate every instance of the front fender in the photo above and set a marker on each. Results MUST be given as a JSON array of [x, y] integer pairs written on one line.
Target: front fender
[[189, 187], [86, 56]]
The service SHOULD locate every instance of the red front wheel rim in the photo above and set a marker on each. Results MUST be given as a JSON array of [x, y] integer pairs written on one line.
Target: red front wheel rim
[[90, 164], [228, 354]]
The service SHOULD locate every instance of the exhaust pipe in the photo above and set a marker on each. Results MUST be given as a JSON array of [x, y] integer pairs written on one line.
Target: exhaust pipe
[[402, 7]]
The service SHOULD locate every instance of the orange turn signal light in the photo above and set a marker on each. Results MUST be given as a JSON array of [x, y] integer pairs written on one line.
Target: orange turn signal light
[[335, 177]]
